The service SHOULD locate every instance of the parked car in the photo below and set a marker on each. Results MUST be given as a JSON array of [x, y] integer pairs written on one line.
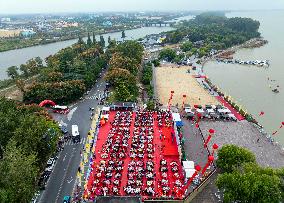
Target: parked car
[[64, 129], [67, 199]]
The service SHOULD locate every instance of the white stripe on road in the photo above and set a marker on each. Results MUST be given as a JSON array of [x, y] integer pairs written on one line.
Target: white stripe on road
[[65, 174], [70, 114]]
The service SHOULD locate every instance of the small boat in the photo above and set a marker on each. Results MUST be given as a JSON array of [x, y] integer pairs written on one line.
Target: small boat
[[275, 90]]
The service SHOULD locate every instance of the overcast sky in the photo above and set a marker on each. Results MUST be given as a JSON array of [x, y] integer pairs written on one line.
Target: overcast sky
[[51, 6]]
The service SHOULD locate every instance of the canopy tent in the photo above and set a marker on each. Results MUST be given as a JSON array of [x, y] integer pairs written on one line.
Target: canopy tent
[[188, 110], [106, 108], [224, 110], [200, 110], [189, 173], [179, 123], [210, 111], [176, 117], [188, 164]]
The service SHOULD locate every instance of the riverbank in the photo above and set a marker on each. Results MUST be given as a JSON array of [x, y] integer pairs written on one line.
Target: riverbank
[[36, 42], [228, 53]]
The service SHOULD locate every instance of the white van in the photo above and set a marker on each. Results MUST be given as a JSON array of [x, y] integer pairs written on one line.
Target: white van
[[75, 133]]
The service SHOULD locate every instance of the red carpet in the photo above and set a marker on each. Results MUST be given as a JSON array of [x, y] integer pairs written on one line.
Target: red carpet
[[234, 111], [169, 142], [163, 149]]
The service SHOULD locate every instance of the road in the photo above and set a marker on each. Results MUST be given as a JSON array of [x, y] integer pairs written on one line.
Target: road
[[62, 179]]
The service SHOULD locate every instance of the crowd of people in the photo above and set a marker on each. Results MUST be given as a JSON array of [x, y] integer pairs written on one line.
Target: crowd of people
[[133, 151], [108, 172]]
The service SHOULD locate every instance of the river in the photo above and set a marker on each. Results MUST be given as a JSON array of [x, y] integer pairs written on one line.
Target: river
[[19, 56], [249, 85]]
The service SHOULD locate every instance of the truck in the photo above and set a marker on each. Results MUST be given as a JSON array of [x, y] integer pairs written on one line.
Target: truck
[[75, 134]]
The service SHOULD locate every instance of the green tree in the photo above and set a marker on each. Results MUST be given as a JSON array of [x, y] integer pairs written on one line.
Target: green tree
[[12, 72], [156, 62], [119, 61], [89, 41], [94, 39], [18, 175], [80, 40], [131, 49], [102, 41], [231, 157], [186, 46], [109, 40], [24, 69], [167, 54], [123, 36], [250, 186]]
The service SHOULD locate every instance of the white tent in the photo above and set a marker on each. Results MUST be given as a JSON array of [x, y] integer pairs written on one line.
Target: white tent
[[176, 117], [189, 173], [200, 110], [105, 108], [188, 164]]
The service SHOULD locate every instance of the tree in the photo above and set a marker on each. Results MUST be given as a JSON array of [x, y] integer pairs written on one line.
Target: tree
[[123, 62], [102, 41], [167, 54], [251, 184], [80, 40], [94, 39], [12, 72], [18, 175], [21, 85], [89, 41], [131, 49], [186, 46], [156, 62], [123, 36], [24, 69], [109, 40], [231, 157]]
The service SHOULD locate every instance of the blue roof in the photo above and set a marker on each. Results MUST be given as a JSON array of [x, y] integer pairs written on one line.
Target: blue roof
[[179, 123]]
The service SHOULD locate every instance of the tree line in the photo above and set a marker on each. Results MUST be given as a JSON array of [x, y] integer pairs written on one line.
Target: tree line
[[208, 31], [28, 137], [124, 66], [68, 73], [243, 180]]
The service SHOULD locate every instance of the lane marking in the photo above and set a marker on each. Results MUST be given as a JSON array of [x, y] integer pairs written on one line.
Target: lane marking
[[64, 157], [70, 114], [65, 174]]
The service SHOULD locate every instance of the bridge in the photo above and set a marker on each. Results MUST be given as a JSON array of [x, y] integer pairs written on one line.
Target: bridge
[[159, 24]]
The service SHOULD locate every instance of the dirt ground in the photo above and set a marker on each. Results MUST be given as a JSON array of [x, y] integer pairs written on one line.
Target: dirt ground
[[182, 83], [9, 33]]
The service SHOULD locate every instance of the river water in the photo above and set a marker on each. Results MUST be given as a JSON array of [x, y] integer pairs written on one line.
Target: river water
[[20, 56], [249, 85]]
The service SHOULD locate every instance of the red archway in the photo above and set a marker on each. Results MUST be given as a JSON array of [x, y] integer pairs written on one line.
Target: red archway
[[46, 102]]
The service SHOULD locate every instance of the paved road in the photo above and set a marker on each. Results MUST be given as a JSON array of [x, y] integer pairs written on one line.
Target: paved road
[[62, 179]]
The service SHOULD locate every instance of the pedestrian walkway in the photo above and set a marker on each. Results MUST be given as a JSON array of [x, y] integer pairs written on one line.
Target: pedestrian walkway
[[70, 142], [234, 111]]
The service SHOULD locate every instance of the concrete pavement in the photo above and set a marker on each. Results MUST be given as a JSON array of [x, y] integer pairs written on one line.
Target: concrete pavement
[[62, 179]]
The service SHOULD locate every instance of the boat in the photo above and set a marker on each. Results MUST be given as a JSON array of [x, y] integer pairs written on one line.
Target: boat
[[275, 90]]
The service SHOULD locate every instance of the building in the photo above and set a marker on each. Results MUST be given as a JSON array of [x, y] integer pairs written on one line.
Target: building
[[5, 20], [28, 33], [107, 24]]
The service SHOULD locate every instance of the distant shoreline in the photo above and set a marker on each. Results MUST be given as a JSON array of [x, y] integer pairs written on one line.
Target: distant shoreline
[[67, 39], [250, 44]]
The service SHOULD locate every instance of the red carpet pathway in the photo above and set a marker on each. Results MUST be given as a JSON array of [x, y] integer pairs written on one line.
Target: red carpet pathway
[[234, 111]]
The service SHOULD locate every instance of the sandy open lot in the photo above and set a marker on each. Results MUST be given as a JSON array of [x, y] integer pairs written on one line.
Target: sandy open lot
[[9, 33], [182, 83]]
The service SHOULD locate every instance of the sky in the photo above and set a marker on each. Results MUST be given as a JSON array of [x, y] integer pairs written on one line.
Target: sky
[[55, 6]]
